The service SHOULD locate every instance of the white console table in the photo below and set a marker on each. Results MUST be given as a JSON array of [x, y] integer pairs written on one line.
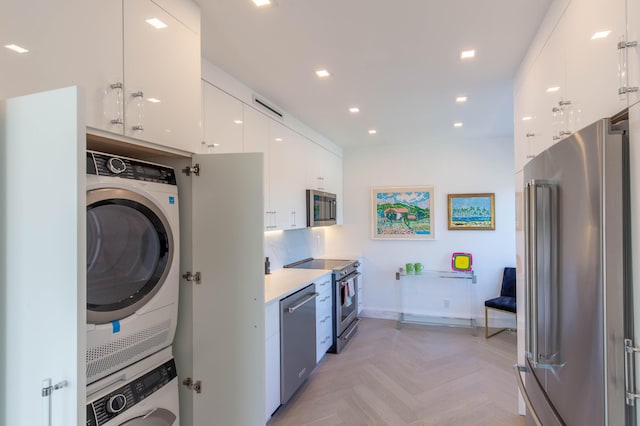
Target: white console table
[[437, 298]]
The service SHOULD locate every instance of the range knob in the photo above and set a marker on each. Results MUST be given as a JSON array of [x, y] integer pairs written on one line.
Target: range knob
[[116, 165], [116, 403]]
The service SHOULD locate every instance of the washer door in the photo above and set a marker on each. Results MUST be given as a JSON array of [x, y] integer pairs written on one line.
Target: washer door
[[158, 417], [129, 251]]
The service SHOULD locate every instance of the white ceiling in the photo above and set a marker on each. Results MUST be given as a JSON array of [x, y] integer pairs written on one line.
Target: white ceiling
[[397, 60]]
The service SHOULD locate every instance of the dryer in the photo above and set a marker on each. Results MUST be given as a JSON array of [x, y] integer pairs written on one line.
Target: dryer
[[143, 394], [132, 261]]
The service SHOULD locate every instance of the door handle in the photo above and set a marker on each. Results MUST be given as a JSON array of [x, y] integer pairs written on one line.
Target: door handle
[[292, 309]]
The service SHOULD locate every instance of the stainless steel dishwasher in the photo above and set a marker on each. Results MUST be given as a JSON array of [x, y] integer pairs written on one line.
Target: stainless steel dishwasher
[[297, 340]]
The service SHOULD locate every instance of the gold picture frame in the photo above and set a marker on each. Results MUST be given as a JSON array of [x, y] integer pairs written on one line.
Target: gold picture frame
[[471, 212]]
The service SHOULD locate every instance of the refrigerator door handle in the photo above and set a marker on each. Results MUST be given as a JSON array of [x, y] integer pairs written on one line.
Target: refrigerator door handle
[[531, 295], [534, 225]]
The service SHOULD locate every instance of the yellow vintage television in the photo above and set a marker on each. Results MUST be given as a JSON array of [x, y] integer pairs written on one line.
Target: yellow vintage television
[[461, 262]]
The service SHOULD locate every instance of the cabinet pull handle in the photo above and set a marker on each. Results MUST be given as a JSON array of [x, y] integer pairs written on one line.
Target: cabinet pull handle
[[118, 103], [623, 57], [138, 94]]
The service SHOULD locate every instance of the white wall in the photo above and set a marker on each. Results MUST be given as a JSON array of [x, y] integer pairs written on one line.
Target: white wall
[[472, 166]]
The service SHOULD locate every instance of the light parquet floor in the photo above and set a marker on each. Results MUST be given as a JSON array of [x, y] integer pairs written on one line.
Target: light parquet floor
[[417, 376]]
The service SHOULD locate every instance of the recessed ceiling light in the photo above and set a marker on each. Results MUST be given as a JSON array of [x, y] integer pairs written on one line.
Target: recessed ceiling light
[[457, 124], [372, 131], [354, 110], [261, 3], [237, 121], [323, 73], [156, 23], [600, 35], [553, 89], [16, 48], [461, 99], [527, 118], [467, 54], [278, 139], [154, 100]]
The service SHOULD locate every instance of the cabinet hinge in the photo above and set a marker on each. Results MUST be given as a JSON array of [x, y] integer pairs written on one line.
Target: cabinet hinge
[[191, 385], [192, 277], [195, 170]]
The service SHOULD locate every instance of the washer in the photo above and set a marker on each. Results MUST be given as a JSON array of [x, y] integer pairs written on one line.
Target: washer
[[132, 261], [148, 396]]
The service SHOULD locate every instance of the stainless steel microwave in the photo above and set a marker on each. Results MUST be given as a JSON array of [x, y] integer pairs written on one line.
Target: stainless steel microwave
[[321, 208]]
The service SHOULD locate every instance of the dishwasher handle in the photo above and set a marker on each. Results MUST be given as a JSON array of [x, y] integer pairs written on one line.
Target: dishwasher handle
[[292, 309]]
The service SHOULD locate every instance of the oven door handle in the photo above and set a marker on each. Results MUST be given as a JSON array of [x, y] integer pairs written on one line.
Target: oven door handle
[[349, 278]]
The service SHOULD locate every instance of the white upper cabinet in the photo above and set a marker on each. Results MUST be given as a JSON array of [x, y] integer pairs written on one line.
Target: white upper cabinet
[[161, 77], [550, 95], [82, 44], [79, 44], [287, 171], [222, 121], [324, 169], [575, 80], [593, 30], [256, 139], [631, 77]]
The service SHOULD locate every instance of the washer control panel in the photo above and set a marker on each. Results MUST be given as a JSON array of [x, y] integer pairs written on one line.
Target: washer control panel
[[102, 164], [120, 400]]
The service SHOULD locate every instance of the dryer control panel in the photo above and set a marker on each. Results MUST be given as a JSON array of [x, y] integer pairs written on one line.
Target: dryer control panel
[[120, 400], [102, 164]]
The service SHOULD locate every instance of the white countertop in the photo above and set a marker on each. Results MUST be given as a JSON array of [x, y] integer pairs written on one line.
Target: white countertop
[[283, 282]]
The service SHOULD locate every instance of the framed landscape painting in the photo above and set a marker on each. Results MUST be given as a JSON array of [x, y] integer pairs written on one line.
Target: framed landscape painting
[[403, 213], [472, 212]]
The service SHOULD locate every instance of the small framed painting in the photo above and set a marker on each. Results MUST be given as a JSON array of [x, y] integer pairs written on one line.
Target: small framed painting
[[472, 212], [403, 213]]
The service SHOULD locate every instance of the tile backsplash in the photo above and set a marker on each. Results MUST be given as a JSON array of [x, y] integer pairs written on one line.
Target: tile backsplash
[[283, 247]]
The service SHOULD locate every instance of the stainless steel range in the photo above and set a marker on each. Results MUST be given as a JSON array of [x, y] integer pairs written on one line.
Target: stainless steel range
[[345, 296]]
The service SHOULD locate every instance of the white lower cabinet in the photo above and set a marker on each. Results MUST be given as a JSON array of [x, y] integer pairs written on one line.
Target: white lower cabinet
[[272, 357], [324, 317]]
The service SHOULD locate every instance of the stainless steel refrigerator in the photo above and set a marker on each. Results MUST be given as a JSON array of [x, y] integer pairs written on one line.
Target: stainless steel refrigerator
[[578, 285]]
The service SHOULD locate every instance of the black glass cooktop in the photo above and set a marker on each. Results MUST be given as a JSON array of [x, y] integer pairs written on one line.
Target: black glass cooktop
[[330, 264]]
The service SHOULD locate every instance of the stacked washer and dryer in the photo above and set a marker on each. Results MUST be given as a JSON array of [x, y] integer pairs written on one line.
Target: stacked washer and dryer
[[132, 292]]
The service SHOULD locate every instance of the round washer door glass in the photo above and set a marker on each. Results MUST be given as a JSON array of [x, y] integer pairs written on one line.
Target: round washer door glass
[[129, 248]]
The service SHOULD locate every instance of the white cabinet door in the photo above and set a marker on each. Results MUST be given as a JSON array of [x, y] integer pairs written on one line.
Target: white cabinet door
[[272, 357], [324, 316], [78, 44], [42, 257], [256, 139], [162, 78], [228, 310], [592, 60], [551, 90], [286, 178], [222, 121], [632, 54], [324, 168]]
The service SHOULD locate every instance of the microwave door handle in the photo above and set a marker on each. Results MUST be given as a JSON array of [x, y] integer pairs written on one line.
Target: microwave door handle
[[332, 208]]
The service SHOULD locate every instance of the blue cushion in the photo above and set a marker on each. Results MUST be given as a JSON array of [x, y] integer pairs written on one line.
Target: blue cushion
[[503, 303], [508, 283]]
